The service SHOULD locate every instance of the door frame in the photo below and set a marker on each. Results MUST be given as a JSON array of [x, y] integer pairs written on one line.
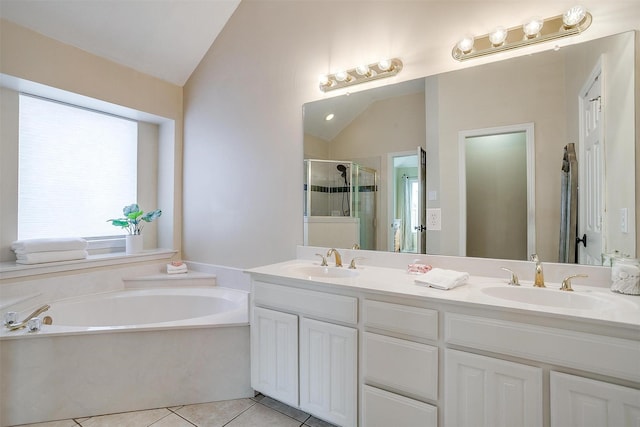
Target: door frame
[[391, 181], [528, 129]]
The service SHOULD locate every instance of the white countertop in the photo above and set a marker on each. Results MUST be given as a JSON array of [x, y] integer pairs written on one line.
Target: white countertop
[[606, 307]]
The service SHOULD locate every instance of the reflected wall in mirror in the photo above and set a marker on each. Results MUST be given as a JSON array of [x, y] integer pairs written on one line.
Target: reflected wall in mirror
[[544, 89]]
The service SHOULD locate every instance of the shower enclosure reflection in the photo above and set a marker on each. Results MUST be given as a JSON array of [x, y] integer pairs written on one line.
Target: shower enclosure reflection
[[340, 204]]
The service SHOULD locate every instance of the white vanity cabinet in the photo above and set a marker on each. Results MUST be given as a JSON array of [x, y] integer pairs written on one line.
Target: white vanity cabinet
[[274, 351], [483, 391], [300, 355], [577, 401], [496, 391], [328, 371], [377, 352], [400, 370]]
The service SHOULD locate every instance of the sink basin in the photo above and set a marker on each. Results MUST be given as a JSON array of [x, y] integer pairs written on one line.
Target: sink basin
[[324, 272], [546, 297]]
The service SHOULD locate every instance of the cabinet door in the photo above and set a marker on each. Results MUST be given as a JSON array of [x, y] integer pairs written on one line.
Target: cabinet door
[[328, 371], [274, 354], [577, 401], [483, 391]]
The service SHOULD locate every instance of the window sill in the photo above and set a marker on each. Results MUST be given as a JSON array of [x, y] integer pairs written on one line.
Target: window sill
[[10, 270]]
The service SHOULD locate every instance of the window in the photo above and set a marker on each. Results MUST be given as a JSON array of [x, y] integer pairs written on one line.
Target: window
[[77, 168]]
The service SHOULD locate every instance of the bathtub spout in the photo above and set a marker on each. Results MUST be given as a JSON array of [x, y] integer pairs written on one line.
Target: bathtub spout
[[39, 311]]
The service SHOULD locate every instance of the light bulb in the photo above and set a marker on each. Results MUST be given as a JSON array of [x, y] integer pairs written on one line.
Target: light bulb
[[362, 69], [342, 76], [324, 80], [465, 45], [532, 27], [574, 16], [498, 36], [330, 116], [384, 65]]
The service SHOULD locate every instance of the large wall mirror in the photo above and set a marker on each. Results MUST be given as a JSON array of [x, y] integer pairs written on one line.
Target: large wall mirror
[[579, 98]]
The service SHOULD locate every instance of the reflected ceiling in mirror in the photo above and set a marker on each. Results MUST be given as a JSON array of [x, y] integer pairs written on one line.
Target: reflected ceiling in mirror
[[371, 126]]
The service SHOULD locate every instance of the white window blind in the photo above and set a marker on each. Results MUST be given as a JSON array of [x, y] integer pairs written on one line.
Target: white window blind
[[77, 169]]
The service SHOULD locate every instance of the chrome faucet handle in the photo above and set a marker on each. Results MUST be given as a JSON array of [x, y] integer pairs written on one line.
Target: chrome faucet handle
[[334, 251], [10, 318], [355, 246], [352, 264], [514, 278], [566, 283], [324, 260]]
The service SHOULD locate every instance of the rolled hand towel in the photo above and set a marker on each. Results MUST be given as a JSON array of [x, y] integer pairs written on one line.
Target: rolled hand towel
[[42, 257], [443, 279], [48, 245]]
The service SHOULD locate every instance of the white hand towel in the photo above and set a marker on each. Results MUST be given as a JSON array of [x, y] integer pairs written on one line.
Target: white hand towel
[[442, 279], [175, 269], [48, 245], [42, 257]]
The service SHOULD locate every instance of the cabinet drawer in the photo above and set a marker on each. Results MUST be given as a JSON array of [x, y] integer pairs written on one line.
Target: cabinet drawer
[[402, 365], [578, 350], [403, 319], [317, 304], [383, 409]]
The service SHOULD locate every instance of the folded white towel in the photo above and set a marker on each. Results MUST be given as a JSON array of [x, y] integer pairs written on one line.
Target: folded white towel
[[175, 269], [48, 245], [442, 279], [42, 257]]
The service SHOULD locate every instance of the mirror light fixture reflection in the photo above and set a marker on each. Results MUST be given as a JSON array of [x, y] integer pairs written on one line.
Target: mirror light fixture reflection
[[535, 30], [532, 27], [362, 73], [498, 36]]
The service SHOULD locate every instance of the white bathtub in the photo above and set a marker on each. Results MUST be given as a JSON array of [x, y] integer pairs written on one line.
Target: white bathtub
[[148, 309], [127, 350]]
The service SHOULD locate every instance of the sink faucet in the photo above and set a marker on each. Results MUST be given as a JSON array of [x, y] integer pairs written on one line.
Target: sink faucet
[[333, 251], [539, 279], [566, 283]]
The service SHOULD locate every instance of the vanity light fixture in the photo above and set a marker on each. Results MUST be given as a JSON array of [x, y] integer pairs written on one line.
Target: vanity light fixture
[[535, 30], [360, 74]]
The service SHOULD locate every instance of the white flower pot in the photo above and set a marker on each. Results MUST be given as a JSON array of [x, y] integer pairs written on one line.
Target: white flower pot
[[134, 243]]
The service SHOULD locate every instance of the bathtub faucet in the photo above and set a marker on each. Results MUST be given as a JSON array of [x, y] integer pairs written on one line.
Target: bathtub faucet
[[13, 326]]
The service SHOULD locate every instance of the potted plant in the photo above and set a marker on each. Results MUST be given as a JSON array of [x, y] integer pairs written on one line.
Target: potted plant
[[133, 222]]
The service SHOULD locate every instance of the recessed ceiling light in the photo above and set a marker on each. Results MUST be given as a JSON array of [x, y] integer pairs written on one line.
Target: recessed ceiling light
[[329, 116]]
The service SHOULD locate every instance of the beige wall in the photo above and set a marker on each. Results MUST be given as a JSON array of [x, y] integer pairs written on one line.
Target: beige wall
[[30, 56], [315, 148]]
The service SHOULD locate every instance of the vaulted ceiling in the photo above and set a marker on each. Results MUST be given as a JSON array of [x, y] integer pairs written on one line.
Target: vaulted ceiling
[[163, 38]]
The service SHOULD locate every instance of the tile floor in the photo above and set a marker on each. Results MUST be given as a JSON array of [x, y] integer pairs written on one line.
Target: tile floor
[[260, 411]]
